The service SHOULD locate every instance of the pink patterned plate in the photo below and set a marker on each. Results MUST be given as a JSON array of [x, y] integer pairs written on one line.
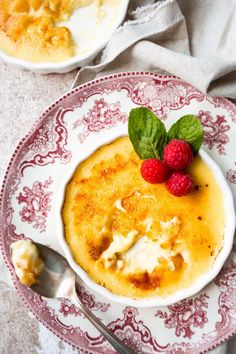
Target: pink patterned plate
[[97, 110]]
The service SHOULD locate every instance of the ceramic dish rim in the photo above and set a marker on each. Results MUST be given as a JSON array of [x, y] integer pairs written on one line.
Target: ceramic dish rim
[[206, 278]]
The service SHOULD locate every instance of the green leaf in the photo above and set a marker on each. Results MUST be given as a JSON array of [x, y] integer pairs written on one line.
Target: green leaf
[[189, 129], [147, 133]]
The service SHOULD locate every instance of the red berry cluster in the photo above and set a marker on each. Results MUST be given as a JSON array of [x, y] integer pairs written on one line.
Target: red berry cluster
[[177, 157]]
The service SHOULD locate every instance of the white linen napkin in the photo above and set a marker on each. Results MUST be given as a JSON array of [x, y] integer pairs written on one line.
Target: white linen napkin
[[194, 40]]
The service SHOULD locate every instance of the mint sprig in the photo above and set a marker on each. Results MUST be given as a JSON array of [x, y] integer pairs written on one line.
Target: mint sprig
[[147, 133], [189, 129], [149, 137]]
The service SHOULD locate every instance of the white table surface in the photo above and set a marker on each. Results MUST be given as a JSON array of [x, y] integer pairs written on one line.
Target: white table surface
[[23, 95]]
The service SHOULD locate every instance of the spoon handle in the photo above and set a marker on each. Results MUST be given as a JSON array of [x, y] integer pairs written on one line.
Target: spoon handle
[[119, 346]]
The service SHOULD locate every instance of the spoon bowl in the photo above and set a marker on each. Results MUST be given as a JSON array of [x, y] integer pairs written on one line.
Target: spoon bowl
[[57, 280], [57, 276]]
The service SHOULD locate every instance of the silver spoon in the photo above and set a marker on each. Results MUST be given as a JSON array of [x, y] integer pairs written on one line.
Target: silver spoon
[[57, 280]]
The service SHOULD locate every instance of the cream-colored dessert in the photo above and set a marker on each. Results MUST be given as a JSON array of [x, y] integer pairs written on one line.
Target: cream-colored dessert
[[40, 30], [26, 261], [136, 238]]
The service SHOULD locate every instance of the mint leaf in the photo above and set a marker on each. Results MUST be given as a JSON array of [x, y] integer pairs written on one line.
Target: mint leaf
[[189, 129], [147, 133]]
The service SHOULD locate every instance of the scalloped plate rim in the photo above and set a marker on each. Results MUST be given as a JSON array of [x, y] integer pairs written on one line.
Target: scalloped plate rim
[[13, 157]]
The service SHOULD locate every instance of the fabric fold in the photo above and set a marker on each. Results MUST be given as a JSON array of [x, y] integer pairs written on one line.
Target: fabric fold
[[193, 40]]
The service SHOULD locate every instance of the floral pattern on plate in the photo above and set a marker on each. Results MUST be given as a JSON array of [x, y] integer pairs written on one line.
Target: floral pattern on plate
[[185, 315], [36, 201], [98, 110]]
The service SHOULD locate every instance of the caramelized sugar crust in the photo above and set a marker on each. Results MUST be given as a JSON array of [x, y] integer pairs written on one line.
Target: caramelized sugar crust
[[136, 238], [30, 29]]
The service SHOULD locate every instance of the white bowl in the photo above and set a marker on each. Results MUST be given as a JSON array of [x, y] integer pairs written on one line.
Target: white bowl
[[181, 294], [75, 61]]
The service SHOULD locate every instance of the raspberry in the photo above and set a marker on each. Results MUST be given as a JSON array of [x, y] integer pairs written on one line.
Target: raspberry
[[154, 171], [179, 184], [178, 154]]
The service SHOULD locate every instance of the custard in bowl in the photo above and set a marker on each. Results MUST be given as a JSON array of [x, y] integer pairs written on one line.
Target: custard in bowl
[[137, 243], [56, 35]]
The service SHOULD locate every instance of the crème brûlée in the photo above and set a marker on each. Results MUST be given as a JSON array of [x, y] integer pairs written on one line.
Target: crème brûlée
[[135, 238], [27, 262], [32, 29]]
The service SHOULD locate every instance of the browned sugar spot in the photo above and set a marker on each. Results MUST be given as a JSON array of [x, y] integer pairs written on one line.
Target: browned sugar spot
[[95, 250], [83, 180], [178, 261], [80, 197], [109, 171], [143, 281], [155, 279], [134, 162]]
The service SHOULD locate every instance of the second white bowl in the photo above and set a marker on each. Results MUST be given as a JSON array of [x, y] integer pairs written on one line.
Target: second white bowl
[[80, 59]]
